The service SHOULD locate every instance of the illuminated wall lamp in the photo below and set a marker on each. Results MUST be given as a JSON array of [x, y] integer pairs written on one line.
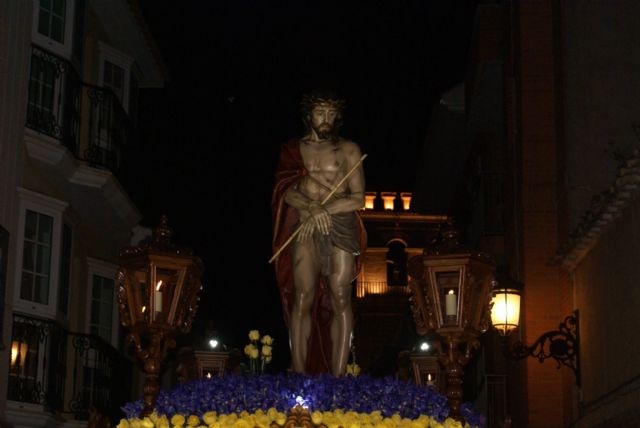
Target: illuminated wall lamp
[[370, 200], [18, 353], [562, 344]]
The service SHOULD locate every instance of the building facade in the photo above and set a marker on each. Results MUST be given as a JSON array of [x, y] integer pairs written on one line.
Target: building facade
[[551, 153], [70, 74], [384, 324]]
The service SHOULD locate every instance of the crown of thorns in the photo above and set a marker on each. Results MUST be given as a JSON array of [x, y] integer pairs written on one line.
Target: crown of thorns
[[309, 101]]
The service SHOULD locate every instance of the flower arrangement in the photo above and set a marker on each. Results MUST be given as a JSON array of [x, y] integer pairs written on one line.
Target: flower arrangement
[[234, 398], [259, 357], [266, 419]]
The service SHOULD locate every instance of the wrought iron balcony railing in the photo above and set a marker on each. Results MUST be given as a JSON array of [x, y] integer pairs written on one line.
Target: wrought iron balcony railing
[[65, 372], [367, 288], [88, 120]]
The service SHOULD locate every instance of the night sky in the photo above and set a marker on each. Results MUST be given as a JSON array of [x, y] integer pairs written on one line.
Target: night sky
[[210, 138]]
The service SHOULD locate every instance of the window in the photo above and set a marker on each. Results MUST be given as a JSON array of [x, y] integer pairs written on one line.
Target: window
[[65, 269], [115, 71], [36, 257], [133, 99], [51, 19], [102, 317], [78, 29], [53, 25], [43, 82], [102, 307], [111, 124], [114, 79], [397, 263], [4, 254], [39, 244]]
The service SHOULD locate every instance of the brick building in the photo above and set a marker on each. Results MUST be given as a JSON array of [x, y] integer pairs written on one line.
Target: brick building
[[548, 144]]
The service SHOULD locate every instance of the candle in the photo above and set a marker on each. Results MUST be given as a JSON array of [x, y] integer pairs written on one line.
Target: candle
[[158, 297], [429, 379], [451, 304]]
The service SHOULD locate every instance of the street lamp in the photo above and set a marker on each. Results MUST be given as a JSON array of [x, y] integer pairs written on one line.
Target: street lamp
[[159, 284], [505, 309], [450, 296], [562, 344]]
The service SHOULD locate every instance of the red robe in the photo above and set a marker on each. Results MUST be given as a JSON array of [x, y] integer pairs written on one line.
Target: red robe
[[290, 170]]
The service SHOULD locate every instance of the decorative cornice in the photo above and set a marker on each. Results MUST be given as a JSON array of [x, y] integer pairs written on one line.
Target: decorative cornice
[[51, 152], [136, 11], [88, 176], [47, 149], [605, 208], [402, 216]]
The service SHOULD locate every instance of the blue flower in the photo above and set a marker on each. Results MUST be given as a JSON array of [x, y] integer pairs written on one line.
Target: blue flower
[[233, 394]]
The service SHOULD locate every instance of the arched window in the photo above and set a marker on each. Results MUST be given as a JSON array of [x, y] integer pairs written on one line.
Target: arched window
[[396, 263]]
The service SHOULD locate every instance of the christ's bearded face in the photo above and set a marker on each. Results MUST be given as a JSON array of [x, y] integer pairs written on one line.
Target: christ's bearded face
[[322, 120]]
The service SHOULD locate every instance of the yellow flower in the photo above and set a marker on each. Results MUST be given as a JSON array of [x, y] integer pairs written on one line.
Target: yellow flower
[[215, 425], [135, 423], [254, 335], [177, 420], [316, 417], [266, 351], [123, 423], [388, 422], [147, 423], [193, 421], [272, 412], [243, 414], [254, 353], [241, 423], [263, 421], [209, 418], [251, 420], [280, 418], [267, 340], [162, 422], [249, 349], [267, 359], [353, 369], [451, 423]]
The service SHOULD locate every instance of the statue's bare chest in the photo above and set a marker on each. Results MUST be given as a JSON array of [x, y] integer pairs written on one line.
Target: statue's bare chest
[[322, 158]]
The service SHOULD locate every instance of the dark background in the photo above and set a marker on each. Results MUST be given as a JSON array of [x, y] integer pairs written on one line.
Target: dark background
[[210, 138]]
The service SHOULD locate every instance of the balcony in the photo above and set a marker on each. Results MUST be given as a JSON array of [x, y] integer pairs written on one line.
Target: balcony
[[380, 288], [86, 119], [65, 372]]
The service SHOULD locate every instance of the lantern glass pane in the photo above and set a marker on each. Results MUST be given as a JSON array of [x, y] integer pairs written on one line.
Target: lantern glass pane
[[449, 291], [141, 304], [505, 312], [163, 294]]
